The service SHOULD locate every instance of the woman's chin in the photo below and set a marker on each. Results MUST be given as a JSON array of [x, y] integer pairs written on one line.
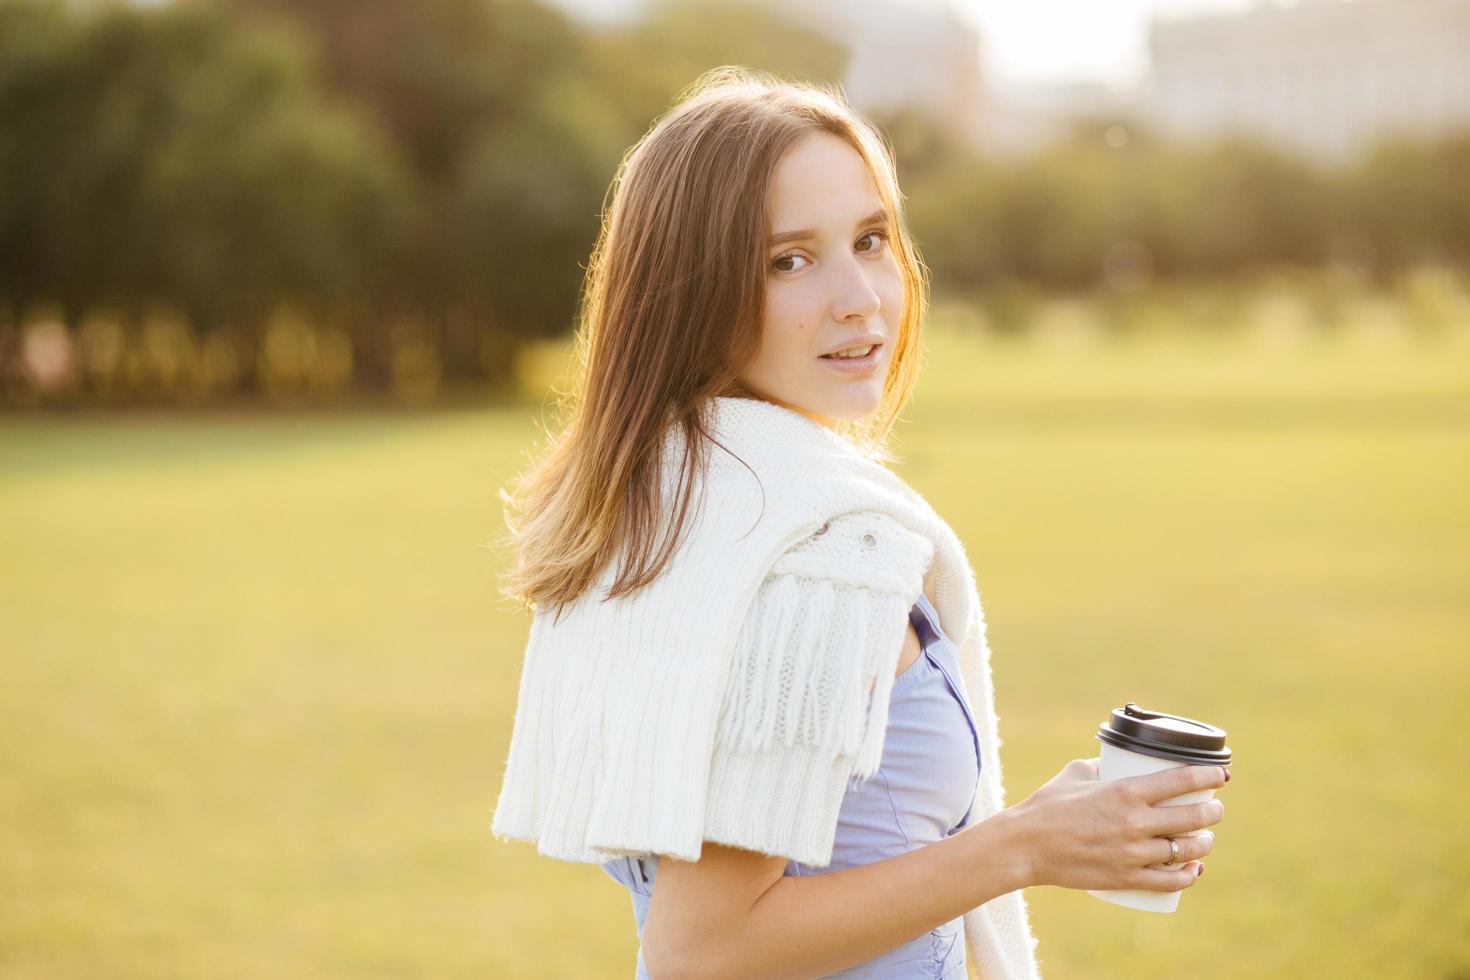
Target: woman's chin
[[856, 402]]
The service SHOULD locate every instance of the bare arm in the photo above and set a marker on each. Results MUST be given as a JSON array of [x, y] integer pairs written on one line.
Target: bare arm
[[755, 922]]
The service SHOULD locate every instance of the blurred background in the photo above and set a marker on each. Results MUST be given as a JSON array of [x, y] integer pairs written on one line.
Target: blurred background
[[286, 290]]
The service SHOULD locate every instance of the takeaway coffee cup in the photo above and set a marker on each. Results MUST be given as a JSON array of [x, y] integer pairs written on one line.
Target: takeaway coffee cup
[[1136, 742]]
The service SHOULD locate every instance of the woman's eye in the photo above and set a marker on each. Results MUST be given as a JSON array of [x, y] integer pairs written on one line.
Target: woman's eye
[[882, 238]]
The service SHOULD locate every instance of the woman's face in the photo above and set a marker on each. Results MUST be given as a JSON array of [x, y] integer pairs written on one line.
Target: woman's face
[[833, 284]]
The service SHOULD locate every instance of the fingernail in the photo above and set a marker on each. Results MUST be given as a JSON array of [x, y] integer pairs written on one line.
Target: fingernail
[[1227, 774], [1201, 870]]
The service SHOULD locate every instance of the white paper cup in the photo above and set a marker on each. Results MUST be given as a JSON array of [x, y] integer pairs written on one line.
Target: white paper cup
[[1156, 740]]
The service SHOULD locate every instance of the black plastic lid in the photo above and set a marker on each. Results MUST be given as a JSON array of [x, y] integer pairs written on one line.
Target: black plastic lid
[[1165, 736]]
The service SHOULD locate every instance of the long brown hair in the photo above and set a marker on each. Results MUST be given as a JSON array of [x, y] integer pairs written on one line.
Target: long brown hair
[[671, 313]]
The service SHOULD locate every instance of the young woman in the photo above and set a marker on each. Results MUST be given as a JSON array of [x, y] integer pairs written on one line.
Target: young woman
[[757, 688]]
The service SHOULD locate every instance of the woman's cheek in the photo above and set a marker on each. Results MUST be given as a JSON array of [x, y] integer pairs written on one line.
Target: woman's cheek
[[788, 323], [781, 337], [892, 294]]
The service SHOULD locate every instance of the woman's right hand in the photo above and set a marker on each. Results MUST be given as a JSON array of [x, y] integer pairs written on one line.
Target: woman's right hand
[[1081, 831]]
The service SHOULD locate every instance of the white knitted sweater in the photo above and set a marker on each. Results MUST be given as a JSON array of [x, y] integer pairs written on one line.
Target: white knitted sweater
[[735, 697]]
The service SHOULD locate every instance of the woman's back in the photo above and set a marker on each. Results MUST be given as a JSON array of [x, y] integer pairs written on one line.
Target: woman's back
[[921, 793]]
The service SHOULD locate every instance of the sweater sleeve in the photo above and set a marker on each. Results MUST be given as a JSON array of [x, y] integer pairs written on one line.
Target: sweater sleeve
[[805, 708]]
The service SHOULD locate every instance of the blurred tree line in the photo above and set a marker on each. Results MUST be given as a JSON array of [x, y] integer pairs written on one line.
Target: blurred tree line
[[1113, 204], [306, 198]]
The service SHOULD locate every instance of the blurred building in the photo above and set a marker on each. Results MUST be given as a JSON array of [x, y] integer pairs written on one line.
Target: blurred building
[[1022, 118], [601, 12], [1320, 77], [916, 53]]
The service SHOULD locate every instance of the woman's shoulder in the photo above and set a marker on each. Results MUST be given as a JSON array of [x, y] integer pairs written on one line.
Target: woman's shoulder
[[868, 548]]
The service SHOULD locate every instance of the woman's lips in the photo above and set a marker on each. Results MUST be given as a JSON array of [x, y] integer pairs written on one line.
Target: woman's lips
[[855, 365]]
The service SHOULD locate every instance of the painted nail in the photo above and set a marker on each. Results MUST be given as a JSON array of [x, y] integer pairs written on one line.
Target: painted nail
[[1227, 774], [1201, 870]]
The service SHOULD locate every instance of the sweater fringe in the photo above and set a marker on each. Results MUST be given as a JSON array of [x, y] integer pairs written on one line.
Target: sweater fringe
[[813, 671]]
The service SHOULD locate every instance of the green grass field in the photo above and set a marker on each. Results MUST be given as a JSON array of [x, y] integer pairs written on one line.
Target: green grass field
[[258, 685]]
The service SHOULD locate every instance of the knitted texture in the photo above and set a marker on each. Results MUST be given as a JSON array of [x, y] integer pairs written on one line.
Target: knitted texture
[[735, 697], [810, 686]]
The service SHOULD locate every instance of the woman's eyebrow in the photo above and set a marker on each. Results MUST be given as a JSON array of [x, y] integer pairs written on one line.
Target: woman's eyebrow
[[880, 215]]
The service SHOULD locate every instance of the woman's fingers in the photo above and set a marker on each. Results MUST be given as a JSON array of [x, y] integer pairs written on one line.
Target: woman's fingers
[[1166, 784], [1166, 881], [1190, 849], [1184, 818]]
